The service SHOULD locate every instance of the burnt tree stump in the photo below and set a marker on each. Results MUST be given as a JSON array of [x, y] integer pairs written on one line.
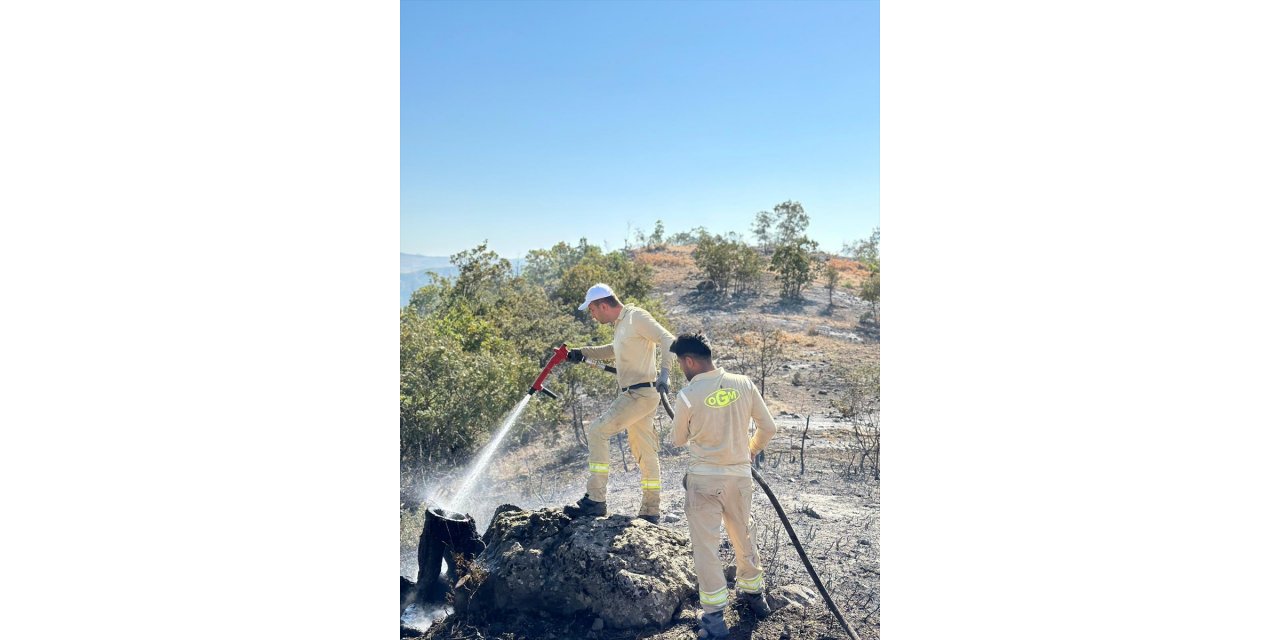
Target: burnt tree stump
[[444, 533]]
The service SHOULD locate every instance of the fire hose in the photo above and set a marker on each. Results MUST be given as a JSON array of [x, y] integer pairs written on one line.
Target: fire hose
[[795, 541]]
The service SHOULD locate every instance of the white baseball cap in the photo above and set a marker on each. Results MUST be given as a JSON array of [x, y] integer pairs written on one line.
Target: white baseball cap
[[597, 291]]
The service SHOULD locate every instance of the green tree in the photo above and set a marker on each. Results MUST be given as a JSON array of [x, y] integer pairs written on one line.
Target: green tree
[[830, 278], [747, 269], [761, 228], [793, 262], [469, 347], [655, 239], [480, 272], [792, 222], [545, 267], [866, 251], [730, 265], [457, 380], [578, 279], [686, 238], [714, 257], [870, 292], [429, 297], [566, 272], [630, 280]]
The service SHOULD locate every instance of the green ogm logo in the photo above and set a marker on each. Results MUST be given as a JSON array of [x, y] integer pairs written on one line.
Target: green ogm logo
[[721, 398]]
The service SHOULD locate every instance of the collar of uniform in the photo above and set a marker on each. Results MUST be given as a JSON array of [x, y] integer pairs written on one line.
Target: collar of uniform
[[707, 374], [626, 308]]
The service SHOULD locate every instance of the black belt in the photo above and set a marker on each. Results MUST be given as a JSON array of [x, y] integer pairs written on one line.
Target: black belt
[[638, 385]]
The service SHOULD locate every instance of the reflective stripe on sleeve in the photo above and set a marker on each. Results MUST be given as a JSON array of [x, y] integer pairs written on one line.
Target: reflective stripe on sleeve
[[651, 485], [598, 467]]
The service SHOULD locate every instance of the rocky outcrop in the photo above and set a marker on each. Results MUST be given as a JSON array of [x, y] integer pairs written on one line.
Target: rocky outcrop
[[623, 570]]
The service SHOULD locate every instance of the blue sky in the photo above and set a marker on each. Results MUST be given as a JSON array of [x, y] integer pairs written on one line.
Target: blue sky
[[528, 123]]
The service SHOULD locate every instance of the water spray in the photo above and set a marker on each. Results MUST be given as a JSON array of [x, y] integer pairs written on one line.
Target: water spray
[[478, 465], [459, 500]]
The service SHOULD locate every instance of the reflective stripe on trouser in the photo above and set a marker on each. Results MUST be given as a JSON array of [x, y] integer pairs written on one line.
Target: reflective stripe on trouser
[[708, 501], [631, 410], [751, 585], [650, 494], [714, 600]]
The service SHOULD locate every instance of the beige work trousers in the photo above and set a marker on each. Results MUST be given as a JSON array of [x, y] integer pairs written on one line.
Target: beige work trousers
[[631, 410], [710, 500]]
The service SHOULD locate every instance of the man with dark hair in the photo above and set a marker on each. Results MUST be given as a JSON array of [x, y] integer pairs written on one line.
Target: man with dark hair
[[635, 334], [713, 416]]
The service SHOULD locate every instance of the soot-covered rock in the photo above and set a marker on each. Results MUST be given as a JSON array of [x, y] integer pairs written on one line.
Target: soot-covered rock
[[625, 571]]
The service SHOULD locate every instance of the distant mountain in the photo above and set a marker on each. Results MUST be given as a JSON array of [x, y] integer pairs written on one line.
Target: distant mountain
[[414, 269], [410, 282], [413, 262]]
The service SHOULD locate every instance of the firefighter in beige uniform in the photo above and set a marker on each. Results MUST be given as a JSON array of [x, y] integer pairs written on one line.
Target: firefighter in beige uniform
[[635, 334], [713, 413]]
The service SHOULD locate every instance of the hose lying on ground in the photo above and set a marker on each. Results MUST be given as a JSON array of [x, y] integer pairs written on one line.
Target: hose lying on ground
[[800, 550]]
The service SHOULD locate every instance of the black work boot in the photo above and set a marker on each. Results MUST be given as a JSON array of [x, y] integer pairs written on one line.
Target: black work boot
[[585, 507], [759, 605], [713, 626], [649, 519]]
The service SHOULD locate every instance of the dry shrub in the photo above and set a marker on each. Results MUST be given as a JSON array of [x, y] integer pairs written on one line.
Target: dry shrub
[[852, 272], [847, 266], [795, 338], [665, 259]]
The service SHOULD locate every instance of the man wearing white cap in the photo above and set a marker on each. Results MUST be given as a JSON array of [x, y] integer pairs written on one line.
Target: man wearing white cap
[[635, 335]]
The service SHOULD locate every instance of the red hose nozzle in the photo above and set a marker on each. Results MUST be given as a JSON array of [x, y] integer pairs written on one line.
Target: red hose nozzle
[[560, 354]]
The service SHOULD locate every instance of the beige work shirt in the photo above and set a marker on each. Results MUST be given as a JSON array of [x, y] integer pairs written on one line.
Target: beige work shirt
[[635, 333], [713, 414]]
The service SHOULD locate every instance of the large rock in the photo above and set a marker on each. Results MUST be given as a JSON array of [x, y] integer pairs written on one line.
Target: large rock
[[621, 569]]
